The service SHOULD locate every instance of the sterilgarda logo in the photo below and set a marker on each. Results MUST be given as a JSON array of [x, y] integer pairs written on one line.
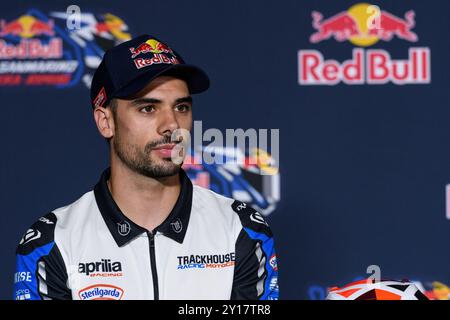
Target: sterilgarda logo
[[239, 177], [38, 49], [101, 292], [364, 25], [207, 261]]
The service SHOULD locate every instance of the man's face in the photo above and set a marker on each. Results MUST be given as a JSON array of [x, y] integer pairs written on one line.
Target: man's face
[[143, 127]]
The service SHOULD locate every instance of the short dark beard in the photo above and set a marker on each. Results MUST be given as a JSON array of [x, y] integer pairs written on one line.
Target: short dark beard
[[140, 161]]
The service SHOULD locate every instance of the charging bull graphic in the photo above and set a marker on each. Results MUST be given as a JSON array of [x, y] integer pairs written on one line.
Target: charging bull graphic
[[363, 22]]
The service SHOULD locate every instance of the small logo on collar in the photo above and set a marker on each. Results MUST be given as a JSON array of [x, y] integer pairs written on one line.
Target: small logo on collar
[[177, 226], [123, 228]]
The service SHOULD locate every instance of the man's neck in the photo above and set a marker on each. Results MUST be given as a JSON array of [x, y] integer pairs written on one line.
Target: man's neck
[[145, 201]]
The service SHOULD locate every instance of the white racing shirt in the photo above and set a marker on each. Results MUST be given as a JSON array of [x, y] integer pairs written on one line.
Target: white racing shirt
[[209, 247]]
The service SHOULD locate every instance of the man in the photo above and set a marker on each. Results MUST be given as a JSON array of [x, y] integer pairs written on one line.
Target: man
[[145, 232]]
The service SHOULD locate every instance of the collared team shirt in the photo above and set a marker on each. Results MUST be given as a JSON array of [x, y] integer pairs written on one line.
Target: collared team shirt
[[209, 247]]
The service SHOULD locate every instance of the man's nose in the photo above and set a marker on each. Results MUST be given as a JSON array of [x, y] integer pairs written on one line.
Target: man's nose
[[168, 122]]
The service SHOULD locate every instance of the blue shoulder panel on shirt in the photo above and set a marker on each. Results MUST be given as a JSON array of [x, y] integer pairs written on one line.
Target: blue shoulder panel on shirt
[[25, 278], [271, 291]]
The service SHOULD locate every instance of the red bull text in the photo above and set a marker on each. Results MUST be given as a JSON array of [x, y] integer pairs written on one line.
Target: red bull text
[[373, 66]]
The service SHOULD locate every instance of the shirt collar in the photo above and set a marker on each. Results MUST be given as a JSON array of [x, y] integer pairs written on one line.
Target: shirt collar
[[124, 230]]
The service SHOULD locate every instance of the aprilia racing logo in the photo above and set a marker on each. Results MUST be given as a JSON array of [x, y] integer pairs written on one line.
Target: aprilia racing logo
[[104, 268], [206, 261]]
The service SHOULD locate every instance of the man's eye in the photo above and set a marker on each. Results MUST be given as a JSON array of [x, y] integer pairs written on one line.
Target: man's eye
[[147, 109], [183, 108]]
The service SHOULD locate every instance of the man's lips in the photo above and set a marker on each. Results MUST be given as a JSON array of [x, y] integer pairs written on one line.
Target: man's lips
[[164, 150], [168, 146]]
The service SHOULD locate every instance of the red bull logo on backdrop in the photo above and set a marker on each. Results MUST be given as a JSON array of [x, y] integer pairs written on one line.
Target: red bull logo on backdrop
[[38, 49], [364, 25]]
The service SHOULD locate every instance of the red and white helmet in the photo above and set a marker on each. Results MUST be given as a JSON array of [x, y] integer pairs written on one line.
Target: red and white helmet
[[377, 290]]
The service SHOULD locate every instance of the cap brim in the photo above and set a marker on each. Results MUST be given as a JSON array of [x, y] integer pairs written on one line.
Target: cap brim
[[196, 79]]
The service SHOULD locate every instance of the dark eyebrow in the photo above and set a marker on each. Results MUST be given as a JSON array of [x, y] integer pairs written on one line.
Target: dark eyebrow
[[141, 101], [184, 99]]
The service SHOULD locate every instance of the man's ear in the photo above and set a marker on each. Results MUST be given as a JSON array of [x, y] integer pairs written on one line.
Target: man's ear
[[105, 122]]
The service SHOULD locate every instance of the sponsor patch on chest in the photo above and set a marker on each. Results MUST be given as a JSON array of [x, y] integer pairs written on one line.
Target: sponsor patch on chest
[[207, 261]]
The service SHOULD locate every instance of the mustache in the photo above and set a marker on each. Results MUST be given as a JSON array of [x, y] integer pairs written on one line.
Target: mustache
[[164, 140]]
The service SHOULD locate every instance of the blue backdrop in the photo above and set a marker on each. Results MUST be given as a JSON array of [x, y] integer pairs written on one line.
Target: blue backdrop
[[363, 168]]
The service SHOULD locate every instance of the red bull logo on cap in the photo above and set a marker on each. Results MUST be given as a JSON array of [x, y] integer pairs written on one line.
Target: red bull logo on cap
[[364, 25], [161, 53], [150, 46]]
